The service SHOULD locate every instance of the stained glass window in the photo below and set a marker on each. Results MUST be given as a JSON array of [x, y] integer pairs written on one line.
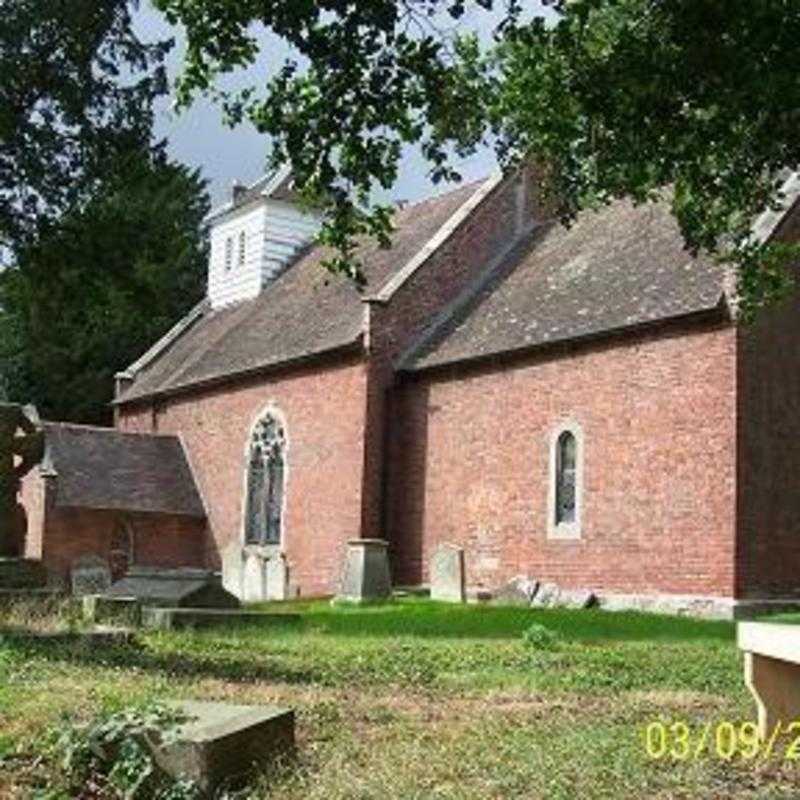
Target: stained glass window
[[565, 477], [265, 483]]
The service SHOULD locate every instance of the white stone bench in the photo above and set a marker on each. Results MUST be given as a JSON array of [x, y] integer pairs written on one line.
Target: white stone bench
[[772, 672]]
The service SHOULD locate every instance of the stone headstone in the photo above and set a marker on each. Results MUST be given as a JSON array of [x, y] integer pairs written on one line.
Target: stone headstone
[[277, 578], [233, 569], [447, 574], [518, 591], [366, 571], [254, 578], [21, 448], [220, 744], [90, 575]]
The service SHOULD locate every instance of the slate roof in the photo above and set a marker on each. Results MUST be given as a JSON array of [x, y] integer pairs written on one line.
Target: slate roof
[[304, 313], [102, 468], [616, 268]]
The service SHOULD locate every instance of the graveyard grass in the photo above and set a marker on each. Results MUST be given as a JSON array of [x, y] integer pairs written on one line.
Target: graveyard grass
[[416, 699]]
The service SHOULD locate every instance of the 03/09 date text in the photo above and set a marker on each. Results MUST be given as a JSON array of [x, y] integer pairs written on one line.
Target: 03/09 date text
[[681, 741]]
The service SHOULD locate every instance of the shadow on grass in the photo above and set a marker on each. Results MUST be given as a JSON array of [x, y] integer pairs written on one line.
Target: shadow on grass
[[76, 649], [428, 619]]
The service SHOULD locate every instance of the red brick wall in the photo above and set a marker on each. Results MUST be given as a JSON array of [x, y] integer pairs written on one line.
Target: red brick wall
[[769, 448], [323, 408], [470, 463], [159, 540], [486, 234]]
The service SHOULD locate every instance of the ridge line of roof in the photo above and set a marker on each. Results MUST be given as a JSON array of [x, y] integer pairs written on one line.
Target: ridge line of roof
[[350, 346], [104, 429], [385, 294], [272, 180]]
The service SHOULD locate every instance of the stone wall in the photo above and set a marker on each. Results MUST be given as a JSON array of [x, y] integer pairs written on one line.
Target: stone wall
[[471, 451]]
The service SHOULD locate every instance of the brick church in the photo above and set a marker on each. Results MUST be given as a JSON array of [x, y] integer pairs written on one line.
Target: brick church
[[577, 405]]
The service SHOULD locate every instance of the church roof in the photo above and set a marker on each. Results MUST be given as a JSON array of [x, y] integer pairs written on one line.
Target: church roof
[[102, 468], [613, 269], [306, 312]]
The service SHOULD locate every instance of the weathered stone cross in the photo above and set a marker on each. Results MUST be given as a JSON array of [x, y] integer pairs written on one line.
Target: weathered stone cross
[[21, 448]]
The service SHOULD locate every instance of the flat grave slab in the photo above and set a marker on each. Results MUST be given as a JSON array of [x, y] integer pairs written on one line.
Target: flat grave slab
[[173, 588], [176, 618], [222, 744], [100, 609]]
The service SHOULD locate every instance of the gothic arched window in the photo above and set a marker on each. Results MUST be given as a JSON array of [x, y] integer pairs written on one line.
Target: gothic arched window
[[265, 483]]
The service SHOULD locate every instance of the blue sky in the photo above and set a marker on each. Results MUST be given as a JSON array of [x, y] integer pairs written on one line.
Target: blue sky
[[197, 136]]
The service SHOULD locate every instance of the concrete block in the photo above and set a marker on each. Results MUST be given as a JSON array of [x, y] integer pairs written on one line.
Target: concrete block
[[222, 744], [772, 672], [366, 572], [101, 609]]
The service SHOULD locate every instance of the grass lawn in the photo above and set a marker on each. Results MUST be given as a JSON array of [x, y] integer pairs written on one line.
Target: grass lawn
[[421, 700]]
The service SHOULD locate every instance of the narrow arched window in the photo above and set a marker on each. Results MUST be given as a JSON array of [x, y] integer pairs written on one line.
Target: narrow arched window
[[565, 493], [566, 477], [265, 483]]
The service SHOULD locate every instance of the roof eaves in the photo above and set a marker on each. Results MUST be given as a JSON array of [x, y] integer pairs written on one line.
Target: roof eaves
[[200, 514], [439, 238], [175, 332], [354, 345], [717, 310]]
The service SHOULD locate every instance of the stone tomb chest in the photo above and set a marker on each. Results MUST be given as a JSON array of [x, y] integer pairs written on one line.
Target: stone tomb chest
[[173, 588]]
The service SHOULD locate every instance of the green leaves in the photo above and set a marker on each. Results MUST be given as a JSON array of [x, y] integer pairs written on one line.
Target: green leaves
[[617, 97], [97, 288], [76, 88]]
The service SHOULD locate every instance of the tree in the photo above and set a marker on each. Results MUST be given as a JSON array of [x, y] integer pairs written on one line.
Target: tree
[[97, 286], [76, 89], [615, 97]]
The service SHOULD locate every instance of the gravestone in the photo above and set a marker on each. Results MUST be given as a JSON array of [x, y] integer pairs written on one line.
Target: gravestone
[[220, 744], [447, 574], [21, 448], [365, 576], [254, 578], [277, 578], [233, 569], [167, 619], [90, 575], [173, 588]]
